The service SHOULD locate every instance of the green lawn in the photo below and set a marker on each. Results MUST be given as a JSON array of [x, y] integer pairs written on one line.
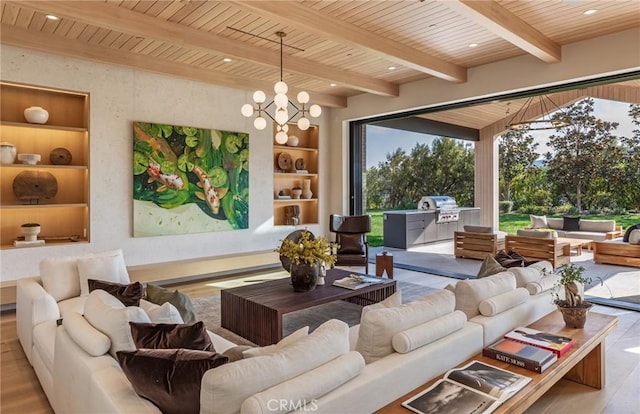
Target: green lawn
[[509, 223]]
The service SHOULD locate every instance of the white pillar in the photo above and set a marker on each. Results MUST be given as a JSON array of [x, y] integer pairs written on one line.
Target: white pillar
[[486, 179]]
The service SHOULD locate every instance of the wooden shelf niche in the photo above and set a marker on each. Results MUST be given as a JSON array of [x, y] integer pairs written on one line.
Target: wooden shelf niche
[[286, 179], [67, 213]]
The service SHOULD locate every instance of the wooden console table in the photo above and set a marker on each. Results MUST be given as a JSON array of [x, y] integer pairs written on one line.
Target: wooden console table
[[255, 311], [584, 363]]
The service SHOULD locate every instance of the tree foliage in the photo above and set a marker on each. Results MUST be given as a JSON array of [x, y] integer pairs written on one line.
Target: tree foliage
[[517, 153]]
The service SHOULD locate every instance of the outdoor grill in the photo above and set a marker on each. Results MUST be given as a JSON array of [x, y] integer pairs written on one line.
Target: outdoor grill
[[445, 207]]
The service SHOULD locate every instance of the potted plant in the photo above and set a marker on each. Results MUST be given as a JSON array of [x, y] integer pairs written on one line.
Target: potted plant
[[30, 231], [573, 307], [302, 254]]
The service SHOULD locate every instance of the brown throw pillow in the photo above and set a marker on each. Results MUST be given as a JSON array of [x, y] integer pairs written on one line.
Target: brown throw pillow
[[571, 223], [171, 335], [507, 261], [159, 295], [351, 244], [129, 295], [169, 378], [517, 256]]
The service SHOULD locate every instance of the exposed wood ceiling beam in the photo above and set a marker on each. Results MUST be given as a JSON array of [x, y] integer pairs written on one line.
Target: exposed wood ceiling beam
[[309, 20], [503, 23], [15, 36], [131, 22]]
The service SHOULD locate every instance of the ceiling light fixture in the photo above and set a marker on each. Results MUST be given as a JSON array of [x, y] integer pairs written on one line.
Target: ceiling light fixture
[[281, 102], [552, 116], [590, 12], [52, 17], [226, 60], [391, 68], [473, 45], [332, 84]]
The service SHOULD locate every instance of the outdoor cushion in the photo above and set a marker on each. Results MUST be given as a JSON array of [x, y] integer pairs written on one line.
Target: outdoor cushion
[[634, 237], [571, 223], [598, 225], [555, 223], [538, 222], [587, 235], [538, 234], [478, 229]]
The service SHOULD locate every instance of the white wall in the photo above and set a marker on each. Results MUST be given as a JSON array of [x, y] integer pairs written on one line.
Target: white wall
[[616, 53], [119, 96]]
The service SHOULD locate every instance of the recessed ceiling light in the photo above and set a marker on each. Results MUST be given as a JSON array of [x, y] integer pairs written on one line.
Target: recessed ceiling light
[[473, 45], [590, 12], [332, 84], [391, 68], [226, 60], [52, 17]]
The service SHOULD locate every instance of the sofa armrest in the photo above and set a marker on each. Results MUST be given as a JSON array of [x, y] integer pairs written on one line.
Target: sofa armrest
[[614, 234], [33, 306]]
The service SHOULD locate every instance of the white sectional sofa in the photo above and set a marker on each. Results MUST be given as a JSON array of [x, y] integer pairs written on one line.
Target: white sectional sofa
[[335, 369], [596, 230]]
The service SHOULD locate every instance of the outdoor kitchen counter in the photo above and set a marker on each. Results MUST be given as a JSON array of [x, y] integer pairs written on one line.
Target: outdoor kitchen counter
[[403, 229]]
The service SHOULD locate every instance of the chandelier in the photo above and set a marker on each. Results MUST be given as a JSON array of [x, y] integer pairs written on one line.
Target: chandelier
[[280, 107], [552, 116]]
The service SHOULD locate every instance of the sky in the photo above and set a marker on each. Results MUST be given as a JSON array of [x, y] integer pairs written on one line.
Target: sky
[[381, 141]]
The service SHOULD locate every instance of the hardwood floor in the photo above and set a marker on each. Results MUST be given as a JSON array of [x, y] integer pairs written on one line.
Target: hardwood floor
[[21, 393]]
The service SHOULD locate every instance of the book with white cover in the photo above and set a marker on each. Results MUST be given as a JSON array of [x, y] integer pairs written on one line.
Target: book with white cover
[[354, 282]]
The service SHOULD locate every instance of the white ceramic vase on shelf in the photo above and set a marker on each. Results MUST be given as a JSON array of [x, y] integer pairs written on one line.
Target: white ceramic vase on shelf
[[306, 189], [7, 153], [30, 232], [36, 115]]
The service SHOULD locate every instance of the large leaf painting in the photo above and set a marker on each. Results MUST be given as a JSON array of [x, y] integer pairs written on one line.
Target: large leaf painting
[[189, 180]]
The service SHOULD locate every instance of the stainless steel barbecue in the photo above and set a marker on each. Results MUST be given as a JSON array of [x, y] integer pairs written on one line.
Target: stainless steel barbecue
[[445, 207]]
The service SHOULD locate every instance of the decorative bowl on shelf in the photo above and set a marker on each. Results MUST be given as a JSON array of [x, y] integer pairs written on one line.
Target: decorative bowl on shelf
[[36, 115], [293, 141], [31, 159]]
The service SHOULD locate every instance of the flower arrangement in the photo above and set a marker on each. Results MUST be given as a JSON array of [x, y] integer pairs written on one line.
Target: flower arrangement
[[310, 250]]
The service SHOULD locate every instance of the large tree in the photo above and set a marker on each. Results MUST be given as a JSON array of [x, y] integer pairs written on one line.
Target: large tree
[[631, 161], [517, 153], [581, 153]]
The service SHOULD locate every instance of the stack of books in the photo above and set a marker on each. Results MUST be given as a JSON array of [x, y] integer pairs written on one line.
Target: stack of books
[[354, 282], [529, 348]]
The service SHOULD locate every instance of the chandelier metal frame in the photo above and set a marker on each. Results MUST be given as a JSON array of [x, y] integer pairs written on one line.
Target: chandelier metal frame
[[553, 117]]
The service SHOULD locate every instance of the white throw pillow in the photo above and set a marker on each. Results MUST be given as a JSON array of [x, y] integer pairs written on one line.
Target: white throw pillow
[[538, 222], [634, 237], [94, 342], [392, 301], [108, 315], [226, 387], [469, 293], [272, 349], [425, 333], [377, 327], [166, 313], [502, 302], [307, 387], [108, 266], [60, 277]]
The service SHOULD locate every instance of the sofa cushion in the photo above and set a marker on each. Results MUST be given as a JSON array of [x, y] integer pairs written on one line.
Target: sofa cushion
[[504, 301], [392, 301], [555, 223], [532, 273], [546, 283], [586, 235], [108, 266], [235, 353], [272, 349], [159, 295], [307, 387], [225, 388], [92, 341], [599, 226], [538, 222], [351, 244], [108, 315], [427, 332], [469, 293], [60, 277], [43, 340], [129, 295], [171, 335], [490, 266], [72, 305], [540, 234], [170, 378], [478, 229], [571, 223], [377, 327]]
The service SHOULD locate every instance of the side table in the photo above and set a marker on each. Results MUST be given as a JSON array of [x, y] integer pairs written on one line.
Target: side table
[[384, 262]]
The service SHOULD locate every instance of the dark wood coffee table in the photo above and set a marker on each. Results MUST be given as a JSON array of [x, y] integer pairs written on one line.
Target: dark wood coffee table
[[583, 364], [255, 311]]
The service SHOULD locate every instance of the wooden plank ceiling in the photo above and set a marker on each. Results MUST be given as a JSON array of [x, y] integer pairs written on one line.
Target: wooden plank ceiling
[[333, 49]]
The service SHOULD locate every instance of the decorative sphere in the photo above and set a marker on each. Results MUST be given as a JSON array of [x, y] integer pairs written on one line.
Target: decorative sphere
[[280, 87], [303, 123], [260, 123], [259, 97], [293, 141], [281, 100], [282, 116], [281, 138], [303, 97], [247, 110], [315, 110], [36, 115]]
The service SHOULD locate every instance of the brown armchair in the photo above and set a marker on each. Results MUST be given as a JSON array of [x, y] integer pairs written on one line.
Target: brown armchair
[[351, 235]]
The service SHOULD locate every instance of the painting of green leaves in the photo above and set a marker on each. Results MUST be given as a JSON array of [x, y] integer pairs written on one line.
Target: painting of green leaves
[[189, 180]]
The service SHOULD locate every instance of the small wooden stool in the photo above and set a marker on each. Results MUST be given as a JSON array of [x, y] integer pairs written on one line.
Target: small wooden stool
[[384, 261]]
